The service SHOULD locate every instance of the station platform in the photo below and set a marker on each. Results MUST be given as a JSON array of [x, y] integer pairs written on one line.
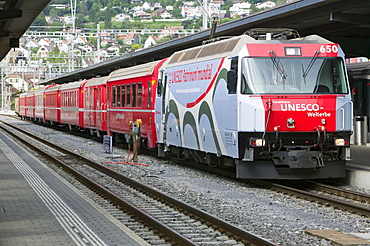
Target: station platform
[[358, 168], [38, 208]]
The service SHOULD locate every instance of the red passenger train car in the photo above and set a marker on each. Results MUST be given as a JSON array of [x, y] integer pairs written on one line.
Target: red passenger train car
[[95, 106], [30, 105], [27, 105], [21, 105], [71, 101], [132, 93], [52, 105], [39, 104]]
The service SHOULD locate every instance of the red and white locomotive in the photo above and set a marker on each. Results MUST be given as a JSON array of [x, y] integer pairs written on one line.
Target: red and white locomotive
[[271, 109]]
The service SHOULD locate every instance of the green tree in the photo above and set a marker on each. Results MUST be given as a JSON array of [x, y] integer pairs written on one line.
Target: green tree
[[40, 20], [56, 56], [93, 42], [135, 47], [80, 20], [94, 13], [54, 14]]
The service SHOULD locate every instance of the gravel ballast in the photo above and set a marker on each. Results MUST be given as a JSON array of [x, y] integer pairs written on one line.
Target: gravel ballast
[[280, 218]]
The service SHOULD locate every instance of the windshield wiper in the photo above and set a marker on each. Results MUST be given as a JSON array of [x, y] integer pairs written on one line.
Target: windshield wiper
[[305, 72], [277, 65]]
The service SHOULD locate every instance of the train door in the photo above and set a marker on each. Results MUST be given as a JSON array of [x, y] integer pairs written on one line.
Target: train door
[[160, 112], [101, 107], [95, 104], [89, 107], [229, 122]]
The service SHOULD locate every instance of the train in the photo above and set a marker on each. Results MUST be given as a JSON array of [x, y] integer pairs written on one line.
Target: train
[[267, 104]]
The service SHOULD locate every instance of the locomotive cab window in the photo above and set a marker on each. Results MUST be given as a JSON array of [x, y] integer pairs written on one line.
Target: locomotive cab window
[[232, 76], [292, 75]]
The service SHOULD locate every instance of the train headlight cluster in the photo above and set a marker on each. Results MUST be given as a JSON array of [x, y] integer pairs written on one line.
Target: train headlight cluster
[[341, 142], [257, 142]]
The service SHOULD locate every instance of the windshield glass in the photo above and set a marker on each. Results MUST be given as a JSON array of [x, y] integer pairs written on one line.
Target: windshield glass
[[287, 75]]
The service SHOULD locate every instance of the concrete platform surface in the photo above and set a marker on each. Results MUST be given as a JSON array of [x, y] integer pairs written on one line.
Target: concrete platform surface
[[38, 208], [337, 237]]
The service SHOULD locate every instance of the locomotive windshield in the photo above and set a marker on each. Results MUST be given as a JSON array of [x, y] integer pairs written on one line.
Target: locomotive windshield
[[287, 75]]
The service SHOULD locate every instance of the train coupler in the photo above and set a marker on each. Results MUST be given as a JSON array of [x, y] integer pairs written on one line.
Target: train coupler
[[299, 159]]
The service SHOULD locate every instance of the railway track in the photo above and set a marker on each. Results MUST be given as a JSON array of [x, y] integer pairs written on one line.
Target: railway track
[[172, 220], [327, 195]]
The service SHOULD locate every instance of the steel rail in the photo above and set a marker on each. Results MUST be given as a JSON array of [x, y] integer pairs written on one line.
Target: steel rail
[[240, 234], [335, 203], [357, 196]]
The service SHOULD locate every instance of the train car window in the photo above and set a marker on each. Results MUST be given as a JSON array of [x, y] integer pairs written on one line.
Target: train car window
[[244, 86], [123, 95], [232, 76], [119, 95], [114, 96], [128, 96], [234, 64], [134, 95], [331, 77], [159, 83], [139, 94], [149, 94], [164, 94], [88, 100], [87, 105], [91, 101]]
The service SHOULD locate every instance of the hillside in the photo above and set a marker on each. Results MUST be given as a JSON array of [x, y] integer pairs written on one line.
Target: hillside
[[91, 12]]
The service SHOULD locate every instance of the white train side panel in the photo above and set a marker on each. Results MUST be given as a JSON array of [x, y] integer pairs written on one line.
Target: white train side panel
[[273, 109]]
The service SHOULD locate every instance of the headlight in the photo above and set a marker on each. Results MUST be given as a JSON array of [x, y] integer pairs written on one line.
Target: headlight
[[341, 142], [257, 142]]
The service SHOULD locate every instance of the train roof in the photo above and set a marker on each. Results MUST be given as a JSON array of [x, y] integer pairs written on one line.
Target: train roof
[[231, 47], [40, 89], [52, 88], [209, 51], [33, 92], [24, 94], [72, 85], [135, 71], [96, 81]]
